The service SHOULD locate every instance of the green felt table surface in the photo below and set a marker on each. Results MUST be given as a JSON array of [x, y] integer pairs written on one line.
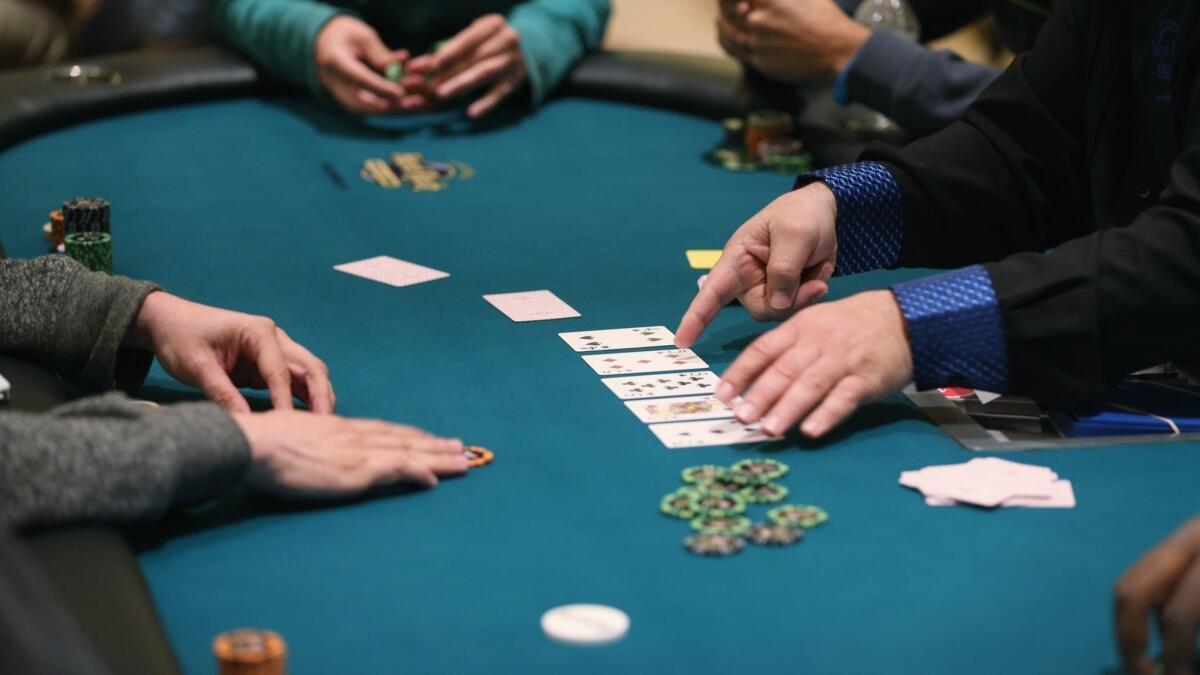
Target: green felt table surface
[[226, 203]]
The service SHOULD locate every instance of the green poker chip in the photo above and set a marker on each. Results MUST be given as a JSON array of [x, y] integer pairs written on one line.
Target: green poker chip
[[717, 505], [93, 250], [760, 470], [729, 526], [724, 484], [394, 71], [680, 504], [702, 474], [798, 515], [764, 493]]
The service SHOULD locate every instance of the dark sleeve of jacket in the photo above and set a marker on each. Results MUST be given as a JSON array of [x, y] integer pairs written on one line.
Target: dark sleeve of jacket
[[1010, 180]]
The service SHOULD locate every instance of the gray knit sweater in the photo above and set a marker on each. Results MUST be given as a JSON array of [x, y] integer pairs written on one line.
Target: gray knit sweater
[[105, 457]]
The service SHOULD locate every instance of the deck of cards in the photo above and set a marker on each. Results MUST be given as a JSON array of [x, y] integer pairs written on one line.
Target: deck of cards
[[669, 389], [991, 482]]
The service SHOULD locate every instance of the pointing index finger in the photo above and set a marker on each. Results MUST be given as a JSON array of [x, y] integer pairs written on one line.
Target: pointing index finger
[[721, 288]]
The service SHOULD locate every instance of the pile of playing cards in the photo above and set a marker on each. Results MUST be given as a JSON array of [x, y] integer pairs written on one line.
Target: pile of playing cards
[[991, 482], [677, 402]]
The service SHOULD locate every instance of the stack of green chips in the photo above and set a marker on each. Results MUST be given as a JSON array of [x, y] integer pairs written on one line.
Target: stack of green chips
[[91, 249]]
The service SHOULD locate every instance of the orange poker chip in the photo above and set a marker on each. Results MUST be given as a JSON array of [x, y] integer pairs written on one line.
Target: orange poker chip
[[478, 456], [250, 651]]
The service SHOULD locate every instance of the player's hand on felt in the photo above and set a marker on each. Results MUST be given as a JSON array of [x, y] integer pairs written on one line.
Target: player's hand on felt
[[485, 57], [1165, 584], [777, 263], [350, 61], [219, 350], [820, 365], [790, 40], [299, 454]]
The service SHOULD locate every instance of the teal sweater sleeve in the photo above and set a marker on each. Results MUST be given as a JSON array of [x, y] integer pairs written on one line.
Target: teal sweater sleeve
[[279, 35], [554, 35]]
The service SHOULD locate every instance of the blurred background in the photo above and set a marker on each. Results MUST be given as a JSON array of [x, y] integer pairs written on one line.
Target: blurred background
[[34, 32]]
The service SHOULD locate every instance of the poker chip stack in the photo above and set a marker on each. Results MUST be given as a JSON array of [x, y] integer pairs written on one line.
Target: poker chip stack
[[714, 501], [87, 233], [760, 141]]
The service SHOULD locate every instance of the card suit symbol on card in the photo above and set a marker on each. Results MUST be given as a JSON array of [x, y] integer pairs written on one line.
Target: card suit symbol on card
[[645, 361], [609, 360]]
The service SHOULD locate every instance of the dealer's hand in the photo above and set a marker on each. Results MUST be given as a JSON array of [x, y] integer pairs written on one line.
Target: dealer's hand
[[820, 365], [776, 263]]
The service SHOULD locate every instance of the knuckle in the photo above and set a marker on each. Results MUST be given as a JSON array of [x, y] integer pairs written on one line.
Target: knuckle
[[1124, 592]]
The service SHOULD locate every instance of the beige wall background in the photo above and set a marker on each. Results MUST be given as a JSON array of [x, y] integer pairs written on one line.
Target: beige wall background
[[689, 27]]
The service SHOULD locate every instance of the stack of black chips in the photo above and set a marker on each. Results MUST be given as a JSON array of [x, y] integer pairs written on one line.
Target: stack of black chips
[[86, 214]]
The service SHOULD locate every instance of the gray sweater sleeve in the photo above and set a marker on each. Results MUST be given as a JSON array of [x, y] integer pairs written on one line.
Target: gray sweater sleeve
[[922, 89], [108, 458], [57, 313]]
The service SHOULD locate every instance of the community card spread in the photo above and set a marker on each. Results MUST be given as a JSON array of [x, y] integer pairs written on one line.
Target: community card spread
[[707, 432], [531, 306], [618, 338], [680, 409], [391, 271], [659, 361], [671, 384]]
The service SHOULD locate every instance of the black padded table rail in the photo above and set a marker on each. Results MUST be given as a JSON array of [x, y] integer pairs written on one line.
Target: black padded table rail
[[91, 570]]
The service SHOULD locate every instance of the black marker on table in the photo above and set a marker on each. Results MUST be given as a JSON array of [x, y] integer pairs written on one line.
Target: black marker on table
[[334, 175]]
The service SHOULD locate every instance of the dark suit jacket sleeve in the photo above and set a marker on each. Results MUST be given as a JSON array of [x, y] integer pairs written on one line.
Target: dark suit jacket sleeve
[[1009, 181]]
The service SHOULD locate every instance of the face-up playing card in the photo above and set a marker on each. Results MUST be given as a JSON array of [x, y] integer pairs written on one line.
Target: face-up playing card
[[618, 338], [4, 387], [668, 384], [680, 409], [645, 362], [707, 432], [391, 271], [531, 306]]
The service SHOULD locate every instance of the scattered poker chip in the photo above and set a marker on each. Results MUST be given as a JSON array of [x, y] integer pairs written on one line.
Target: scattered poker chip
[[86, 214], [760, 470], [702, 473], [91, 249], [730, 526], [714, 544], [764, 493], [250, 651], [680, 504], [585, 624], [798, 515], [774, 534], [478, 456], [716, 505]]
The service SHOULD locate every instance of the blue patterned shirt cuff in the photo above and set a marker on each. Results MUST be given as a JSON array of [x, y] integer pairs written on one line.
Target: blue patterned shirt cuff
[[954, 330], [870, 221]]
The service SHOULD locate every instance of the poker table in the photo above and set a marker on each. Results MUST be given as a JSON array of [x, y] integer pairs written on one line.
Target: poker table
[[219, 195]]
